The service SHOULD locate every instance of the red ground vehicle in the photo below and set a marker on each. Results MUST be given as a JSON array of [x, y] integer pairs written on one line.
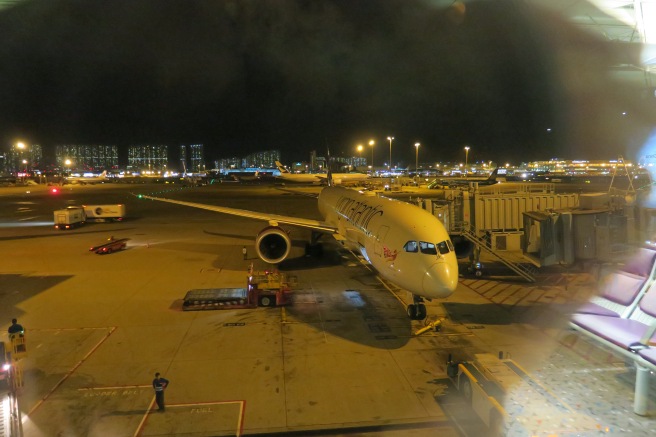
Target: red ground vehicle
[[112, 245], [266, 289]]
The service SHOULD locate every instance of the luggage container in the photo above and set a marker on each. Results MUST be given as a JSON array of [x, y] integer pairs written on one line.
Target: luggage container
[[101, 213]]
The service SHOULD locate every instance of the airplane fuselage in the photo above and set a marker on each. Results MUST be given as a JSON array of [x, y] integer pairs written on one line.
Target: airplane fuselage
[[300, 178], [319, 178], [82, 180], [404, 243]]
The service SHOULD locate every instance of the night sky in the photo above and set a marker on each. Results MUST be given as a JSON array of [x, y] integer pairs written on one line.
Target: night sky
[[247, 75]]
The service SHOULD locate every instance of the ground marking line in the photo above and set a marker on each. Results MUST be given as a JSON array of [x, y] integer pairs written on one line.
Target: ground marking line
[[70, 372], [240, 416]]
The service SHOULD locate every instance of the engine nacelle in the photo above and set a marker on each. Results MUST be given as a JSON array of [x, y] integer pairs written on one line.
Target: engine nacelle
[[273, 244]]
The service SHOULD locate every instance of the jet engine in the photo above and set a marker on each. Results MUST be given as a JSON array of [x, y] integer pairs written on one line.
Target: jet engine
[[273, 244]]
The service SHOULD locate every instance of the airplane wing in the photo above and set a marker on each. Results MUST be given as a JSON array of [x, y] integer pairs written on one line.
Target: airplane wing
[[298, 192], [273, 219]]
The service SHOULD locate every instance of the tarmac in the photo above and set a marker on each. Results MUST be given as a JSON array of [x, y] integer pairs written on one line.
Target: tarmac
[[342, 360]]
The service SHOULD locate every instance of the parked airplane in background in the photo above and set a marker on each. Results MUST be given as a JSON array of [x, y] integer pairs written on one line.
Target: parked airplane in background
[[404, 243], [8, 180], [447, 182], [318, 178], [83, 180], [246, 176]]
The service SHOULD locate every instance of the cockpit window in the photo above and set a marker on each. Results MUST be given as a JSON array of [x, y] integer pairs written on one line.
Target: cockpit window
[[443, 247], [427, 248], [410, 246], [450, 244]]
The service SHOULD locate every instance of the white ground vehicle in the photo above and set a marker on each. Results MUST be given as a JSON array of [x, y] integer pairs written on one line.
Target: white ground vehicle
[[511, 402], [114, 212], [69, 217]]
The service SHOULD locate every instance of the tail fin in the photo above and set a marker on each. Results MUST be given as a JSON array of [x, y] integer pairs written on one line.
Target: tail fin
[[329, 175], [281, 168], [103, 174], [493, 175]]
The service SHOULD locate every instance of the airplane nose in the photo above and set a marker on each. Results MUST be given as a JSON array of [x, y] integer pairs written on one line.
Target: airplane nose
[[440, 280]]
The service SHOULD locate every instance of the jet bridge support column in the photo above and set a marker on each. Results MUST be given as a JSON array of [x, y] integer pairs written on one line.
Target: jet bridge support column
[[466, 210]]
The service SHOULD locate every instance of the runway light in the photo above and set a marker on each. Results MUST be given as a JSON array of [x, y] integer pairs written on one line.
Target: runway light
[[54, 191]]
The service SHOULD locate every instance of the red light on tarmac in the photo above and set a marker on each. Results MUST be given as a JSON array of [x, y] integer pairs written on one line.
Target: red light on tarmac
[[54, 191]]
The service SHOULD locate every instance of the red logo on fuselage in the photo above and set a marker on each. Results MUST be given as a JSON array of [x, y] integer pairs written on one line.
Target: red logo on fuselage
[[390, 255]]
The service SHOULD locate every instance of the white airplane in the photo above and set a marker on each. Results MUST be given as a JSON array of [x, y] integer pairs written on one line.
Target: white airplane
[[83, 180], [404, 243], [449, 182], [318, 178]]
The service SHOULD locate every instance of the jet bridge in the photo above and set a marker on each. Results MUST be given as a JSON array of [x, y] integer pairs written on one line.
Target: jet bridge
[[493, 220], [513, 223]]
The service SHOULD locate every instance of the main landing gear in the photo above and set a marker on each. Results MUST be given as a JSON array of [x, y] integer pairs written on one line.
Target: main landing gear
[[417, 310], [313, 247]]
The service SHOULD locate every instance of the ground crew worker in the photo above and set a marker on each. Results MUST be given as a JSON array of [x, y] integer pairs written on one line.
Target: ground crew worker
[[244, 252], [159, 384], [15, 328]]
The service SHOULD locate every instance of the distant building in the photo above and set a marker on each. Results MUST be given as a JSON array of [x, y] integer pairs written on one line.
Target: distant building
[[578, 166], [264, 159], [226, 163], [147, 159], [84, 157], [192, 158], [23, 157]]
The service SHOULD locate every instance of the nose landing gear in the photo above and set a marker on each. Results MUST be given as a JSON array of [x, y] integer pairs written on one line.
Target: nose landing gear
[[417, 310]]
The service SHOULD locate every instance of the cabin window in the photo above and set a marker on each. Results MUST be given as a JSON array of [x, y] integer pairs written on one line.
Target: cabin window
[[410, 246], [427, 248], [443, 247]]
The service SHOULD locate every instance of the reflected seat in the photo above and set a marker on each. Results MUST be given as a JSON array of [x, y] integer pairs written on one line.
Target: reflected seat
[[622, 334], [649, 355], [620, 291]]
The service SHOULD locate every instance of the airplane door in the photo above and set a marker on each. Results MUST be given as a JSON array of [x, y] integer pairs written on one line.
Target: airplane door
[[442, 214], [380, 237]]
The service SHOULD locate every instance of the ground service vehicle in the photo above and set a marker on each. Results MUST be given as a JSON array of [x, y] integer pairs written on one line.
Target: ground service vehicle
[[266, 288], [101, 213], [111, 245], [511, 402], [69, 217], [269, 288]]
